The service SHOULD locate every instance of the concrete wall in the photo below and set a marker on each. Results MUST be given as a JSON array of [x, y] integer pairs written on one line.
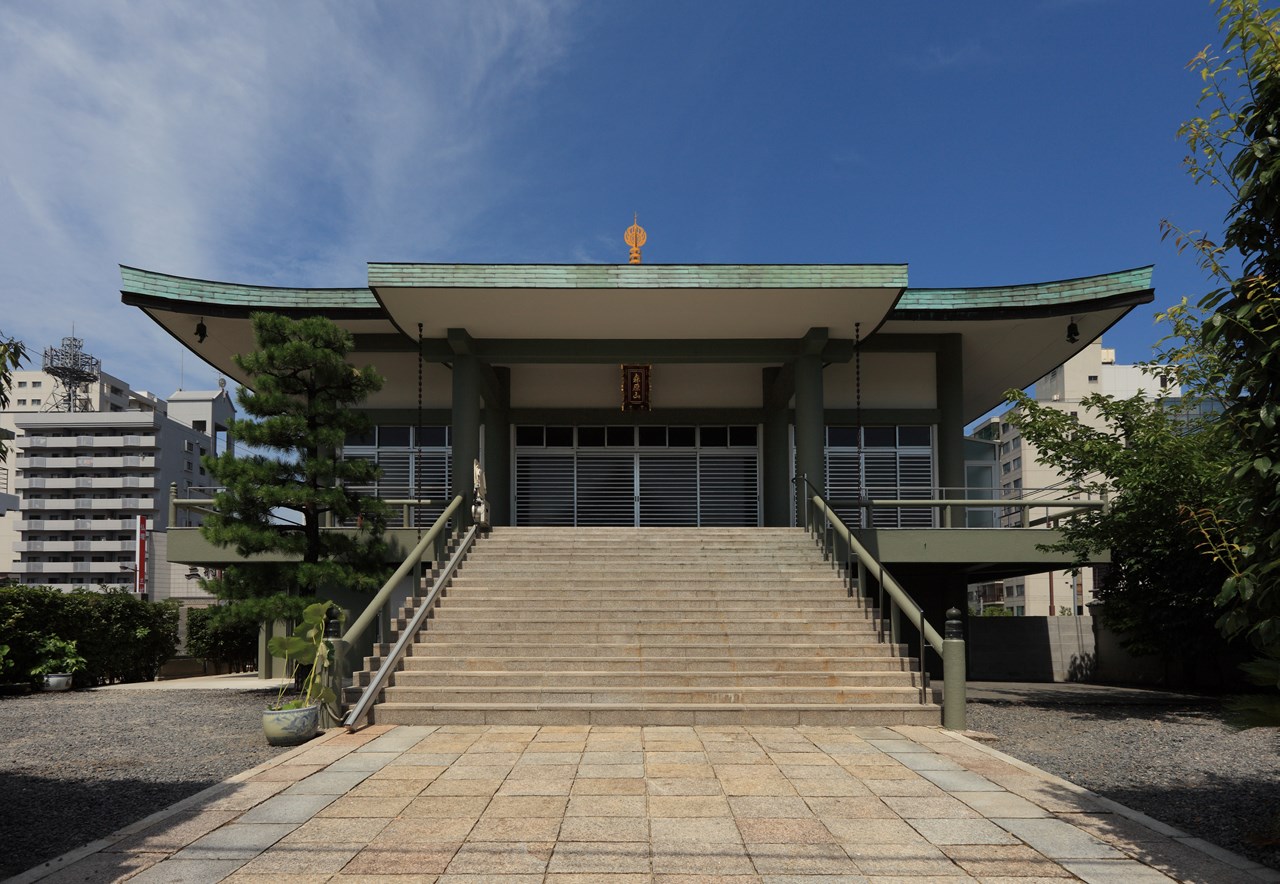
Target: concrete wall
[[1042, 649]]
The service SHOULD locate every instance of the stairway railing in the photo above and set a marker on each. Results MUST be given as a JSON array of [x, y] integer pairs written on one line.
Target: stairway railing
[[951, 649], [434, 535]]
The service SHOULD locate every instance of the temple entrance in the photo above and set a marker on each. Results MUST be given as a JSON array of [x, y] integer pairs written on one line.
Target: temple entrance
[[647, 476]]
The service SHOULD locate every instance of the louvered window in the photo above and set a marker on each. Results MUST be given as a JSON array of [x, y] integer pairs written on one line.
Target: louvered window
[[408, 472], [894, 463]]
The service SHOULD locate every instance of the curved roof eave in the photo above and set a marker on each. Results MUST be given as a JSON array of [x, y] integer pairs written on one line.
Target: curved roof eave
[[1057, 298]]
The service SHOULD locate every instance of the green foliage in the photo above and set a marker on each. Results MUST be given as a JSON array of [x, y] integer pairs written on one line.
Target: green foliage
[[58, 657], [226, 642], [12, 354], [307, 647], [120, 637], [301, 400], [1156, 468], [1235, 145], [991, 611], [5, 662]]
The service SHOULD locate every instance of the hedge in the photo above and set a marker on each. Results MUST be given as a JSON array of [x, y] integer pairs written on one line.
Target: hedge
[[121, 637]]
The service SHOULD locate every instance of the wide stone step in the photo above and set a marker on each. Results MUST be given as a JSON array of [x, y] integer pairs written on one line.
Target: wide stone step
[[472, 613], [655, 647], [613, 632], [651, 694], [780, 596], [690, 678], [659, 714], [746, 665]]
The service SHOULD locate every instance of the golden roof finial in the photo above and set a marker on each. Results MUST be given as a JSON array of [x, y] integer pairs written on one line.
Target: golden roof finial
[[635, 237]]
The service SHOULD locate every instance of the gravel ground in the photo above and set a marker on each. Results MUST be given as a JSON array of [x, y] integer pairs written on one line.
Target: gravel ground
[[1181, 765], [77, 766]]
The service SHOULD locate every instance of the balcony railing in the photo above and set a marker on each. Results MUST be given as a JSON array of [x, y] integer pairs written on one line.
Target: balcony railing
[[966, 508]]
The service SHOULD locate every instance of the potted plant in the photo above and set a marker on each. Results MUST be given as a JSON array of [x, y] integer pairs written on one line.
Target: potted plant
[[288, 722], [59, 662]]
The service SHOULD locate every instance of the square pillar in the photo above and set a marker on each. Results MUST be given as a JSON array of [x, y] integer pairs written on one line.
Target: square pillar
[[810, 428]]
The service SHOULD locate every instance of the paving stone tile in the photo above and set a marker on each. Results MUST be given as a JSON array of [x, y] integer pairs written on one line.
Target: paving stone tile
[[1115, 871], [526, 806], [440, 806], [711, 830], [1003, 860], [711, 879], [426, 830], [344, 877], [829, 787], [497, 773], [918, 858], [606, 805], [403, 770], [235, 841], [823, 879], [179, 871], [1058, 840], [242, 877], [1001, 804], [301, 859], [399, 739], [488, 878], [481, 756], [289, 808], [591, 756], [872, 831], [327, 782], [696, 858], [533, 757], [610, 771], [919, 761], [746, 806], [597, 878], [695, 786], [801, 859], [501, 858], [698, 757], [543, 772], [243, 796], [337, 831], [379, 859], [929, 808], [737, 757], [507, 828], [406, 788], [366, 761], [462, 787], [851, 808], [866, 772], [174, 833], [105, 867], [953, 831], [538, 786], [420, 756], [604, 828], [960, 781], [675, 771], [358, 807], [783, 830], [688, 806], [286, 773], [599, 857], [917, 787], [608, 786]]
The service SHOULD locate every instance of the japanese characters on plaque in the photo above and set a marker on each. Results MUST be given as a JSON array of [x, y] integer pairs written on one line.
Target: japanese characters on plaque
[[635, 387]]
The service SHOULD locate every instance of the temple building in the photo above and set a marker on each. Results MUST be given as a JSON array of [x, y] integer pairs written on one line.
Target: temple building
[[686, 395]]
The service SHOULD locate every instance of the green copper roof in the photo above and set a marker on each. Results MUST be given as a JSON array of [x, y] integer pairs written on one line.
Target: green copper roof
[[178, 288], [1041, 294], [638, 276]]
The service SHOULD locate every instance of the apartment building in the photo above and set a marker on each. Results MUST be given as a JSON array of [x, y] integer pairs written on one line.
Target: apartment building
[[93, 482], [1021, 473]]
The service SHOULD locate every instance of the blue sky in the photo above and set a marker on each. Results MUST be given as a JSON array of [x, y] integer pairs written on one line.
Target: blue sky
[[982, 143]]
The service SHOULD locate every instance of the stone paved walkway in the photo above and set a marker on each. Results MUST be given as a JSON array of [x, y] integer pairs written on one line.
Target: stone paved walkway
[[625, 805]]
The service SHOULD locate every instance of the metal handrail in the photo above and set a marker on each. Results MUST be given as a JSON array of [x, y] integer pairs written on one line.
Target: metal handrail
[[408, 634], [900, 600], [411, 561]]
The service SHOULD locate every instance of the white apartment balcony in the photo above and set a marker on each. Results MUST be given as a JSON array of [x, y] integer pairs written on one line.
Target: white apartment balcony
[[97, 462], [97, 483], [39, 443], [86, 503], [76, 524], [80, 568], [89, 546]]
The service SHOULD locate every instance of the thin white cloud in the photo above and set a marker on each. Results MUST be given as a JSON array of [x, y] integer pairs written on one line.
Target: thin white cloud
[[257, 142]]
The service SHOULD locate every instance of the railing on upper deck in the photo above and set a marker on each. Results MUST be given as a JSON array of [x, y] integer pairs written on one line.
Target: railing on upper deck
[[955, 508]]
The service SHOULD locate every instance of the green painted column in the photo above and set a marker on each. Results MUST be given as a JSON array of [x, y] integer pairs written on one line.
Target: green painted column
[[809, 423], [775, 456], [497, 450], [949, 371], [466, 426]]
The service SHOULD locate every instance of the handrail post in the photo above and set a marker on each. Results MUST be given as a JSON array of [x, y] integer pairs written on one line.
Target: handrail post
[[173, 504], [953, 673], [895, 624]]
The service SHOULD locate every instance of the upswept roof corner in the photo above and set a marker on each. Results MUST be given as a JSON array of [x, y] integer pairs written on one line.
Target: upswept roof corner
[[638, 276], [163, 287], [1060, 293]]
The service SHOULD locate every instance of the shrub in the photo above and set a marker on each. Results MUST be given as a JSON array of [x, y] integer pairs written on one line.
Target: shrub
[[227, 642]]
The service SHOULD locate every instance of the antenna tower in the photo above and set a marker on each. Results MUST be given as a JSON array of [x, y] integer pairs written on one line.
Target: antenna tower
[[74, 370]]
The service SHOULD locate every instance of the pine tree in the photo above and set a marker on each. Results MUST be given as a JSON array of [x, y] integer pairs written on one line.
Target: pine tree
[[277, 498]]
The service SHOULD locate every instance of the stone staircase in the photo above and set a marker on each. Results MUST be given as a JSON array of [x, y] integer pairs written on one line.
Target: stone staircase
[[657, 626]]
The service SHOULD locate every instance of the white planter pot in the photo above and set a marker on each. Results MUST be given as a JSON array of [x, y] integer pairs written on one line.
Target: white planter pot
[[57, 681], [289, 727]]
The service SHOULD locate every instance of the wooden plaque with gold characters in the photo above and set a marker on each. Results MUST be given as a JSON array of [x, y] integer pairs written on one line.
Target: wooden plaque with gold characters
[[635, 387]]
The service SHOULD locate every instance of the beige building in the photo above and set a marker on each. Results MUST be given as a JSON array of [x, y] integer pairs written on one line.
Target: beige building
[[1022, 475]]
